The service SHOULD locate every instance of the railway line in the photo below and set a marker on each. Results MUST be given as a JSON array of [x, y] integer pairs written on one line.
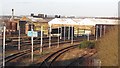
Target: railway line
[[26, 43], [50, 59], [81, 59], [28, 51]]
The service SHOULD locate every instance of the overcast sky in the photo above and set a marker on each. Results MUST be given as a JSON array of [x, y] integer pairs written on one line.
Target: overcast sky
[[62, 7]]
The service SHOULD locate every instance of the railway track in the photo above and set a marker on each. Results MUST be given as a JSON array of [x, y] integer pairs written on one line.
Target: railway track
[[26, 40], [82, 58], [18, 55], [26, 44], [50, 59], [47, 63], [26, 52]]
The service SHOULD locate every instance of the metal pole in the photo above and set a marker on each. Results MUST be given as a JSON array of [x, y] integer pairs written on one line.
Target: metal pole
[[96, 32], [72, 36], [32, 43], [101, 31], [19, 39], [41, 39], [77, 32], [104, 29], [61, 33], [64, 33], [69, 33], [4, 28], [50, 37], [84, 34], [58, 37], [88, 37]]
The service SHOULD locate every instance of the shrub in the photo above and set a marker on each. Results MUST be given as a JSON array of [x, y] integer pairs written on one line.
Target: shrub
[[91, 45], [87, 44]]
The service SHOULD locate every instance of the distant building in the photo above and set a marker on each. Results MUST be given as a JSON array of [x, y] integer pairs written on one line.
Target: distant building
[[57, 16], [41, 15], [32, 14], [38, 16], [23, 26]]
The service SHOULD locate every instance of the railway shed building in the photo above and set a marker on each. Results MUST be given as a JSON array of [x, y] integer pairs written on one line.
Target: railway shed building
[[80, 26]]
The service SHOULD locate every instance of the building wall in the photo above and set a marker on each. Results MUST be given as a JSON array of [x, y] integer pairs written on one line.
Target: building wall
[[104, 30], [37, 27], [22, 27]]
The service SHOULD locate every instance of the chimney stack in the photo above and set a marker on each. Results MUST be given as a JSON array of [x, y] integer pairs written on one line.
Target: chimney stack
[[32, 14], [12, 17], [12, 13]]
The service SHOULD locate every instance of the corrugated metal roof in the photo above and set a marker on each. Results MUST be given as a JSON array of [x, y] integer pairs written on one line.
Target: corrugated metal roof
[[80, 22]]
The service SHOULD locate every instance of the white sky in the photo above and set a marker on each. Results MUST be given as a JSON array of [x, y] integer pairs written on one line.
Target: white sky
[[63, 7]]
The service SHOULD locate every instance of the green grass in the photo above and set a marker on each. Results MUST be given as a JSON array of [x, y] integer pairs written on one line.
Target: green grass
[[45, 52], [86, 44]]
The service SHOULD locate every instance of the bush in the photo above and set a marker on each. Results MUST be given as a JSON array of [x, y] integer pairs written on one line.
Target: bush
[[91, 45], [87, 44]]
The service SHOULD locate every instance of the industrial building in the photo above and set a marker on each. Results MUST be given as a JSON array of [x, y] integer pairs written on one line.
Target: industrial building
[[81, 26]]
